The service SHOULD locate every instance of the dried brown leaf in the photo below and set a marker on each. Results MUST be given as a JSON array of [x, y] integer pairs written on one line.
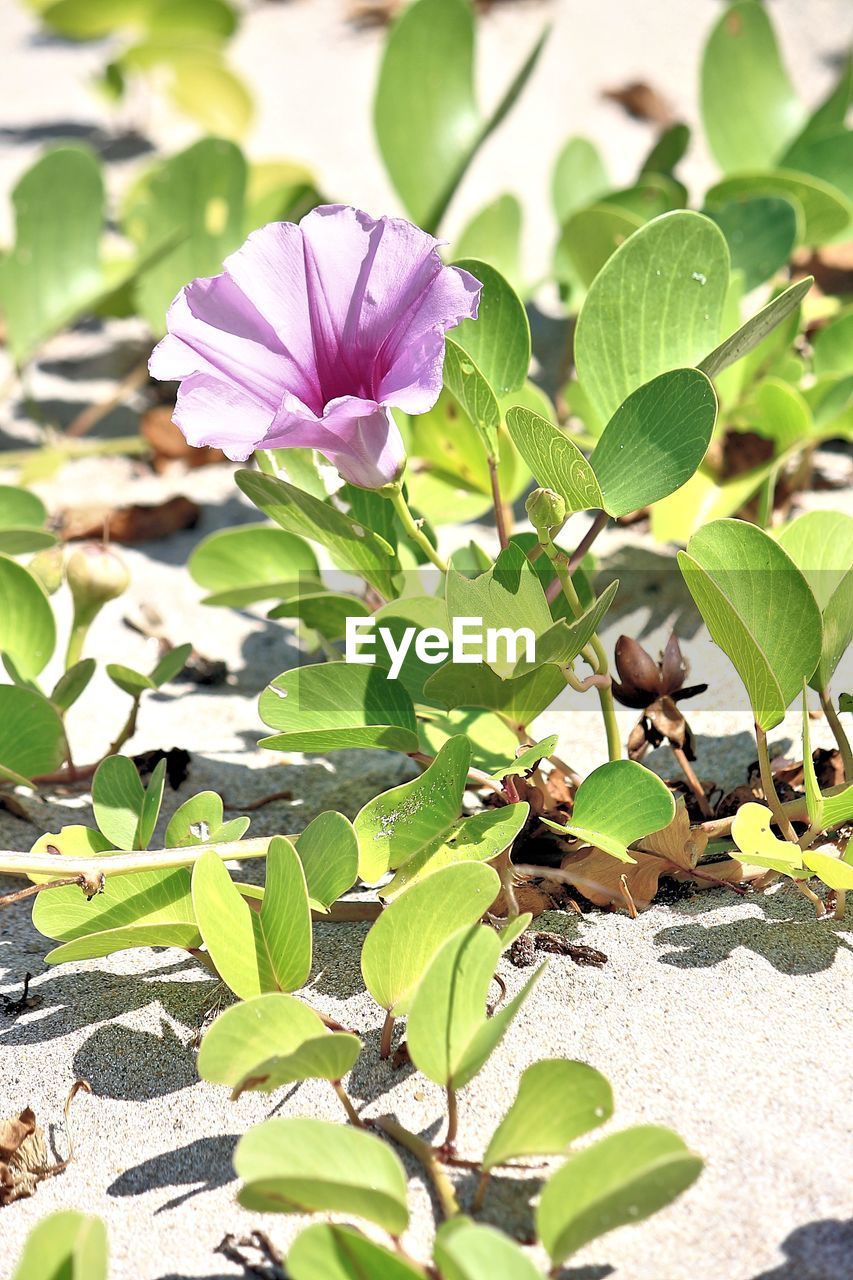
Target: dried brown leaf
[[641, 101], [169, 445], [142, 522]]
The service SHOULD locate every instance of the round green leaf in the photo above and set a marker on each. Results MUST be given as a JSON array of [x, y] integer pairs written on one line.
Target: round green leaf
[[618, 803], [334, 705], [27, 628], [758, 608], [655, 440], [335, 1252], [67, 1244], [328, 851], [466, 1250], [493, 235], [313, 1166], [32, 738], [657, 304], [499, 339], [826, 211], [588, 239], [621, 1179], [554, 459], [252, 562], [273, 1040], [117, 799], [820, 543], [579, 178], [200, 820], [400, 945], [557, 1101], [761, 232]]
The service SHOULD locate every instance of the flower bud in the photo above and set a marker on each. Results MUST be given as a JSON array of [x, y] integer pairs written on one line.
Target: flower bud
[[546, 509], [47, 566], [95, 574]]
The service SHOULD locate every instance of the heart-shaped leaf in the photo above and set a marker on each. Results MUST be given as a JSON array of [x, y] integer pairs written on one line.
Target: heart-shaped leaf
[[256, 951], [749, 108], [655, 440], [467, 1250], [519, 699], [621, 1179], [448, 1032], [656, 305], [272, 1040], [554, 459], [476, 839], [403, 941], [498, 341], [557, 1101], [313, 1166], [67, 1244], [427, 121], [820, 543], [335, 705], [492, 740], [836, 873], [334, 1252], [352, 547], [252, 562], [27, 628], [618, 803], [201, 820], [758, 608], [328, 851], [32, 737]]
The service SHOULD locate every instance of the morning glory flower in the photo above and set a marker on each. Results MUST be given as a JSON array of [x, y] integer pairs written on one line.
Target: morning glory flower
[[311, 335]]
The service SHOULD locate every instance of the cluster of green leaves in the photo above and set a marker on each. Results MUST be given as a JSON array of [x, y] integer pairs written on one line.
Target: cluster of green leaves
[[179, 43]]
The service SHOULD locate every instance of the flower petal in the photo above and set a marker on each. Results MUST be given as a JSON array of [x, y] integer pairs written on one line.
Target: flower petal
[[359, 437], [213, 411]]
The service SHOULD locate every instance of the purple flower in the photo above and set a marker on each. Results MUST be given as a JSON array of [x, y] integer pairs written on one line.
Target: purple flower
[[309, 337]]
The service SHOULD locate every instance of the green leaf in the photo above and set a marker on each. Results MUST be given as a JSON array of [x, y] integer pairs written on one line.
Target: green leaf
[[200, 820], [509, 595], [131, 682], [825, 210], [827, 155], [328, 851], [32, 738], [756, 329], [428, 124], [520, 699], [403, 941], [118, 797], [498, 341], [204, 88], [143, 909], [272, 1040], [313, 1166], [493, 235], [761, 232], [669, 148], [528, 759], [555, 460], [749, 108], [72, 683], [407, 820], [256, 951], [563, 641], [621, 1179], [557, 1101], [27, 628], [834, 872], [618, 803], [467, 1250], [820, 543], [54, 270], [22, 519], [762, 847], [331, 706], [151, 802], [170, 665], [327, 1251], [580, 178], [589, 237], [655, 440], [413, 611], [758, 608], [252, 562], [833, 346], [833, 110], [448, 1032], [466, 383], [64, 1246], [352, 547], [194, 199], [492, 740], [825, 812], [323, 612], [657, 304], [476, 839]]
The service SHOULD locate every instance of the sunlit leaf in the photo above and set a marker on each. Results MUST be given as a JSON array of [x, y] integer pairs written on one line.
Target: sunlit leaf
[[557, 1101], [334, 1252], [618, 803], [65, 1244], [499, 339], [27, 627], [335, 705]]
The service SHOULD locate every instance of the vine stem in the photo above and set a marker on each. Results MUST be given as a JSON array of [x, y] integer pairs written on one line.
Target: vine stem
[[394, 494], [838, 733], [500, 509], [605, 692], [46, 864], [769, 787], [424, 1153], [387, 1033], [346, 1103], [452, 1119]]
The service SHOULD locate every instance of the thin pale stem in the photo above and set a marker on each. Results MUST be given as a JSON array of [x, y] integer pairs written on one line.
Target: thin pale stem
[[452, 1120], [346, 1103], [128, 728], [840, 903], [693, 781], [480, 1193], [46, 864], [412, 526], [387, 1035], [424, 1153], [838, 733], [500, 510], [811, 896], [769, 787]]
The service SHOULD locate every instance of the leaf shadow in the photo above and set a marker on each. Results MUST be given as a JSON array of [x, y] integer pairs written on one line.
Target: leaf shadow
[[135, 1066], [816, 1251], [651, 582], [789, 938], [202, 1165]]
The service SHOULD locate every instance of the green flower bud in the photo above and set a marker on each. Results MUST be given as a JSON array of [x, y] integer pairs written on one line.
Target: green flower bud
[[95, 574], [47, 566], [546, 509]]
